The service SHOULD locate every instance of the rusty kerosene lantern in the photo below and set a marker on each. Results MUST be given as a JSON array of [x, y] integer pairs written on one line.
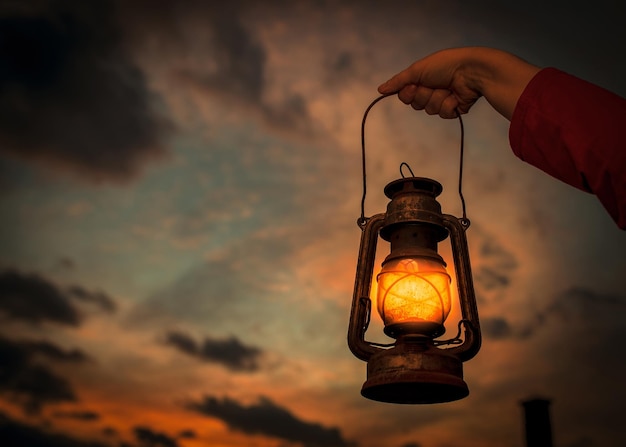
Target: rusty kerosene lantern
[[414, 297]]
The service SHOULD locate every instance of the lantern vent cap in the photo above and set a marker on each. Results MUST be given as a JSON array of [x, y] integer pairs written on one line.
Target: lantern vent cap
[[421, 185]]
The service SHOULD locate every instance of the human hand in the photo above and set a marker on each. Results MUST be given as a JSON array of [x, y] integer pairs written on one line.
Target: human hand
[[450, 81]]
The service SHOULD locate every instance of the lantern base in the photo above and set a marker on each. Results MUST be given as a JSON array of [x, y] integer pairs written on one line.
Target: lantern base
[[414, 373]]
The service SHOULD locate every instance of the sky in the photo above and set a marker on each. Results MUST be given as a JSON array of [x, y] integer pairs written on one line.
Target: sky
[[179, 186]]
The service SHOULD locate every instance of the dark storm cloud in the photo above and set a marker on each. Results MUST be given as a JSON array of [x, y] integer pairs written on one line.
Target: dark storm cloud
[[236, 57], [234, 72], [109, 431], [187, 434], [496, 328], [87, 416], [240, 63], [267, 418], [69, 92], [343, 62], [30, 383], [150, 438], [579, 308], [31, 298], [66, 263], [14, 433], [238, 54], [34, 299], [229, 352], [579, 302], [53, 352], [292, 113], [491, 278], [494, 271], [101, 299]]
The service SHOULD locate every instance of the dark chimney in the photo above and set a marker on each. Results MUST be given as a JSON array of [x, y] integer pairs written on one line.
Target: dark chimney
[[537, 422]]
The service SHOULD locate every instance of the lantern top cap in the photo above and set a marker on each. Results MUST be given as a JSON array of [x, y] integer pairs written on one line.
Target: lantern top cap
[[421, 185]]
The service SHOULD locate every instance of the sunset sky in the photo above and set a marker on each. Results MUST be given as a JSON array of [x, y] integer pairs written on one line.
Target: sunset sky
[[179, 186]]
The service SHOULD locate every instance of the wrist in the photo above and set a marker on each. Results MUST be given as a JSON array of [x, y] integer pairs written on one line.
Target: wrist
[[500, 77]]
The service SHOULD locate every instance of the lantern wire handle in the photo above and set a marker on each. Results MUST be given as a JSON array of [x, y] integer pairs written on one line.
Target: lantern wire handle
[[463, 220], [403, 164], [361, 221]]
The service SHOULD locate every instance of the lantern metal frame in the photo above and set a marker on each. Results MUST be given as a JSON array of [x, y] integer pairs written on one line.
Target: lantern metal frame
[[414, 369]]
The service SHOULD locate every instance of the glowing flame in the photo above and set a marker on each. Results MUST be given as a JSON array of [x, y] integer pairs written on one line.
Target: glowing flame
[[414, 291]]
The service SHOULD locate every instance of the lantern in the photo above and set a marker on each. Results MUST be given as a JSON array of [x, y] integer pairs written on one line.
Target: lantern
[[414, 299]]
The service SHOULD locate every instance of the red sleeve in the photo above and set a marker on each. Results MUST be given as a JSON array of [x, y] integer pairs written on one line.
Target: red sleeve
[[576, 132]]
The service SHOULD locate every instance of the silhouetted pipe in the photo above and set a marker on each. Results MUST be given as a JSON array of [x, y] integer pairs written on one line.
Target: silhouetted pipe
[[537, 422]]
